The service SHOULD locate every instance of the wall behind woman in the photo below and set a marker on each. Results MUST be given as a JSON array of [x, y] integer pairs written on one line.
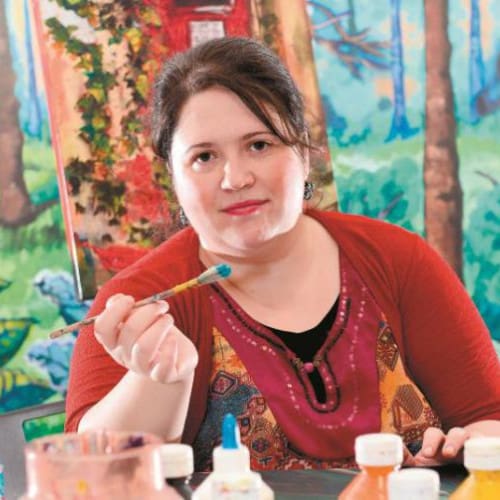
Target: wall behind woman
[[413, 126], [370, 62]]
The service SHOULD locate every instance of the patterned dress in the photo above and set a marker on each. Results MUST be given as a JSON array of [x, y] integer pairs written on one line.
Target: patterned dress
[[265, 385]]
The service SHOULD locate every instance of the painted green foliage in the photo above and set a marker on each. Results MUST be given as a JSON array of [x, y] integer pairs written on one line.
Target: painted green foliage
[[133, 24], [482, 253]]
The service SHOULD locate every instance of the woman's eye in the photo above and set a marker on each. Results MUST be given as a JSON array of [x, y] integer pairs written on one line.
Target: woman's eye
[[204, 157], [260, 145]]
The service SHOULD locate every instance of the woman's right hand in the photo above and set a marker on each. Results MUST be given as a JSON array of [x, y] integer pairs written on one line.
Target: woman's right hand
[[145, 340]]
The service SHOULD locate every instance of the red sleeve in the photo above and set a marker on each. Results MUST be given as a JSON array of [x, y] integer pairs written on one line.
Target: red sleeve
[[93, 372], [448, 347]]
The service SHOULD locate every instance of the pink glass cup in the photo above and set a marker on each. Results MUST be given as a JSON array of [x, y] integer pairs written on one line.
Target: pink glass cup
[[95, 465]]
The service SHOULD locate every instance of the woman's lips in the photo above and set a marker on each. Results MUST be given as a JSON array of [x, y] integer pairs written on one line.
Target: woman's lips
[[244, 208]]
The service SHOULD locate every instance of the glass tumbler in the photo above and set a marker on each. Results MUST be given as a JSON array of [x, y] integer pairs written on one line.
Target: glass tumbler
[[95, 465]]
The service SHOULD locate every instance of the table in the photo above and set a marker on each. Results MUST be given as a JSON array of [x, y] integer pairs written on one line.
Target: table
[[321, 484]]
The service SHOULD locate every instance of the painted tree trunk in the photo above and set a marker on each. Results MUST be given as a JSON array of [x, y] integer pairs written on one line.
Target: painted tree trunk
[[477, 77], [14, 199], [443, 193], [352, 17], [34, 125], [16, 207], [287, 31], [399, 126]]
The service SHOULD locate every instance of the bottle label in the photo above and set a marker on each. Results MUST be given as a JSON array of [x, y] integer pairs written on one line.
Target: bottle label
[[244, 488]]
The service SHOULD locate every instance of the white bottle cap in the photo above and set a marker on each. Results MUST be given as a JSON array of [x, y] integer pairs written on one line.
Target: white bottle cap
[[231, 461], [176, 460], [379, 449], [413, 484], [482, 453]]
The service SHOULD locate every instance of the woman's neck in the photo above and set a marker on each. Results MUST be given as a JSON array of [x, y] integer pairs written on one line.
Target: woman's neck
[[268, 259], [268, 285]]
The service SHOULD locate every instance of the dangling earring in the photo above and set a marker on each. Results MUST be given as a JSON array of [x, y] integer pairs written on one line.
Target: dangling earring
[[183, 220], [308, 190]]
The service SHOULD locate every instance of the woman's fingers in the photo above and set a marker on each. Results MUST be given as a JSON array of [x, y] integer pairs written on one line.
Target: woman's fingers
[[138, 322], [106, 326], [439, 448], [165, 361], [432, 441], [187, 356], [146, 345], [454, 442], [176, 357]]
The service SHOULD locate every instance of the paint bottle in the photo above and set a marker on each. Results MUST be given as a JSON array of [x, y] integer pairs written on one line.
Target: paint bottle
[[232, 478], [413, 484], [177, 467], [377, 456], [482, 460]]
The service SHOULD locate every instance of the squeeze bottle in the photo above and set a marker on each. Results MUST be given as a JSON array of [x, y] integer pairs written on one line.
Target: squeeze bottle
[[377, 455], [482, 460], [232, 478], [413, 484]]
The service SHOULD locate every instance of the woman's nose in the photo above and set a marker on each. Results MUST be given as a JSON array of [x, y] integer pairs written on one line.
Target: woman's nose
[[237, 176]]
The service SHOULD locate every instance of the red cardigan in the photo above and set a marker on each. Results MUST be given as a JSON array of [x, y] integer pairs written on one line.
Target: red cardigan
[[444, 343]]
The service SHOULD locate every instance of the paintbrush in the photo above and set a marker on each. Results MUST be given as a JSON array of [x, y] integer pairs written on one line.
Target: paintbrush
[[211, 275]]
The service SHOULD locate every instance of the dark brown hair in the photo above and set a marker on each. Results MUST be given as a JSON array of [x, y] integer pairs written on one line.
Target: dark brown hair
[[243, 66]]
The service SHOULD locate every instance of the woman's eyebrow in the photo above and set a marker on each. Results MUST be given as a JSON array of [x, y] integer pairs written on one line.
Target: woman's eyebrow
[[198, 145], [258, 132]]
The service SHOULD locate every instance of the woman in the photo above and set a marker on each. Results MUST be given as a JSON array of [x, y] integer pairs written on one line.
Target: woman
[[330, 325]]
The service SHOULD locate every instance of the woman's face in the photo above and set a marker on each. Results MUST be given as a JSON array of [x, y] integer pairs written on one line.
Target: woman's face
[[238, 184]]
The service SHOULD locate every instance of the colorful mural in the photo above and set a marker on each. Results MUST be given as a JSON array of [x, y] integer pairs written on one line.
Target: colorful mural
[[411, 92], [387, 102], [36, 286]]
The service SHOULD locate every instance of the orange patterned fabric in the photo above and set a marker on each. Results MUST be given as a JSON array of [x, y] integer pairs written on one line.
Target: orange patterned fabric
[[404, 409]]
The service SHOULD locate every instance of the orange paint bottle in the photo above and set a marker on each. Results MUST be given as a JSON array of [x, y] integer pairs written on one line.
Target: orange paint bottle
[[377, 455]]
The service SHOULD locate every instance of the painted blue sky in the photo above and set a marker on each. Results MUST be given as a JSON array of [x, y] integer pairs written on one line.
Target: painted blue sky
[[33, 113], [369, 101]]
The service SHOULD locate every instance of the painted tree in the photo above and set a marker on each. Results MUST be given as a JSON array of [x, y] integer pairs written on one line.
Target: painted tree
[[354, 48], [443, 193], [34, 125], [16, 207], [400, 125], [352, 17], [477, 78], [337, 32], [287, 31], [487, 101]]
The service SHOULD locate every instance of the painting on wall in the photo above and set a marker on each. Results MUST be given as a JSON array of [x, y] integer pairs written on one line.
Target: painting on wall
[[37, 292], [116, 196], [411, 93]]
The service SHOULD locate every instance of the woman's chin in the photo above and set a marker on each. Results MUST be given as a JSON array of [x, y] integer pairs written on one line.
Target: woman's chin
[[240, 244]]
